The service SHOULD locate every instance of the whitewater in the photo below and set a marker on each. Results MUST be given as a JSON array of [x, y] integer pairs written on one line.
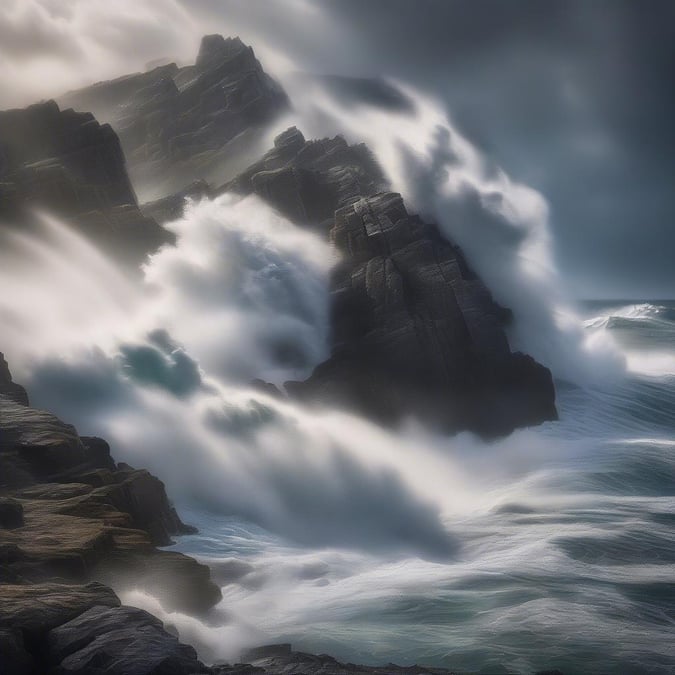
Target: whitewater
[[552, 547]]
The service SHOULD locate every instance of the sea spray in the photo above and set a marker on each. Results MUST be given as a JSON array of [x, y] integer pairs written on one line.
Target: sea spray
[[501, 225]]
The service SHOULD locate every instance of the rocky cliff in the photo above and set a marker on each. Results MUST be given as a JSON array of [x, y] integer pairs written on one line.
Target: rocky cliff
[[73, 167], [72, 519], [181, 124], [414, 330]]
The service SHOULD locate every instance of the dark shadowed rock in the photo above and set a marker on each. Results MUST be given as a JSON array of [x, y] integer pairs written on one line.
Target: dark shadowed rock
[[308, 180], [14, 657], [172, 207], [133, 650], [11, 513], [8, 388], [76, 634], [59, 628], [84, 518], [181, 124], [37, 608], [414, 331], [277, 659], [73, 167]]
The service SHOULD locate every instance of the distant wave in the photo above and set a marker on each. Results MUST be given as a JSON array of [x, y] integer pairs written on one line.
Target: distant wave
[[628, 315]]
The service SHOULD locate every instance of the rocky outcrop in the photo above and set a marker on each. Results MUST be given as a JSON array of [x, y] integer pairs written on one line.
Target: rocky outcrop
[[180, 124], [281, 658], [8, 387], [68, 164], [414, 331], [277, 659], [68, 512], [118, 641], [70, 519], [308, 180], [172, 206], [82, 629]]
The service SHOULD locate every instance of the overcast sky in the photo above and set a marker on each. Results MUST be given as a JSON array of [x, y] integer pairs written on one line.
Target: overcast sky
[[576, 98]]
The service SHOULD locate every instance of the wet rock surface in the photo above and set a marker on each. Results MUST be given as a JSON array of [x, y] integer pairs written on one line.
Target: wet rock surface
[[8, 387], [181, 124], [414, 330], [278, 659], [69, 513], [63, 628], [71, 520], [308, 180], [69, 165]]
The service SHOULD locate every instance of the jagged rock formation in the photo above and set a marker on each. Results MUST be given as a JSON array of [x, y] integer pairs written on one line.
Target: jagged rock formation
[[414, 331], [281, 659], [70, 518], [273, 659], [180, 124], [72, 514], [172, 207], [308, 180], [8, 387], [68, 629], [73, 167]]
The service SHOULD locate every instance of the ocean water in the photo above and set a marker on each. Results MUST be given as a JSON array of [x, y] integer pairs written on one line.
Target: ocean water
[[551, 548], [565, 544]]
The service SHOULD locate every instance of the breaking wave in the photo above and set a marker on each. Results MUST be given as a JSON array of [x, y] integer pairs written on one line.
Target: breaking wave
[[552, 547]]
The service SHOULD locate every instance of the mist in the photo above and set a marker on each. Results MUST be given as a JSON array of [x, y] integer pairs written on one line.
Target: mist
[[547, 547]]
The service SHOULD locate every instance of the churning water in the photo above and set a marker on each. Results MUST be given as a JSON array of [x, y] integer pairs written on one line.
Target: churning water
[[553, 547]]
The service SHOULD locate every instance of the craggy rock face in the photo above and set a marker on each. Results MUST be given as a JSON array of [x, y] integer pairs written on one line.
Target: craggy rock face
[[308, 180], [414, 331], [8, 388], [69, 512], [83, 629], [73, 167], [176, 124]]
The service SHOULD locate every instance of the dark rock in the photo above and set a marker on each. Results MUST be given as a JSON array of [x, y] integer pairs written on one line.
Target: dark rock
[[14, 658], [144, 650], [179, 124], [77, 633], [179, 582], [266, 651], [8, 388], [85, 518], [143, 497], [11, 513], [415, 332], [308, 180], [98, 452], [37, 608], [72, 166], [172, 207], [276, 659]]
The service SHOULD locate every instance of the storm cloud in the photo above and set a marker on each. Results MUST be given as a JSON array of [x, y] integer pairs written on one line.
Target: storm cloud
[[574, 98]]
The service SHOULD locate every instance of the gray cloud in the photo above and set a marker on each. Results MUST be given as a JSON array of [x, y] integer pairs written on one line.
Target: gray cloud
[[572, 97], [28, 31]]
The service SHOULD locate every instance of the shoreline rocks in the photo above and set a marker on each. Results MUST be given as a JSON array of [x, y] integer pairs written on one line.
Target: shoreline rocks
[[74, 525], [414, 331], [69, 513]]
